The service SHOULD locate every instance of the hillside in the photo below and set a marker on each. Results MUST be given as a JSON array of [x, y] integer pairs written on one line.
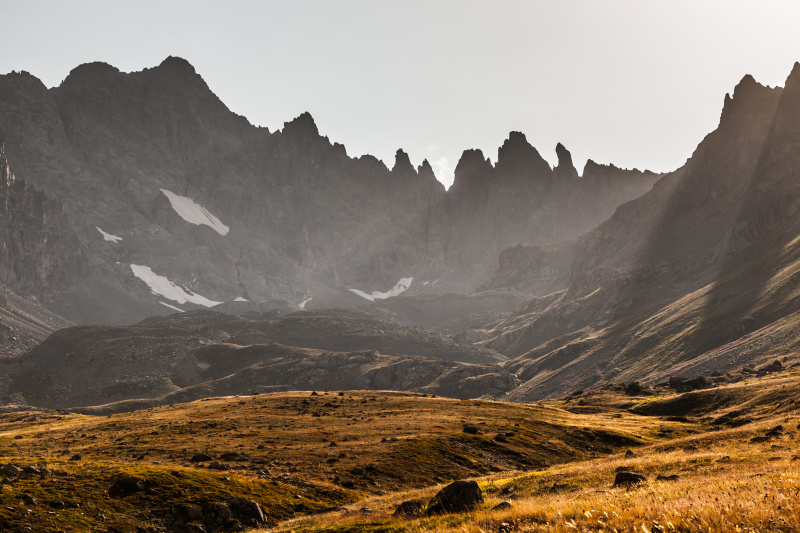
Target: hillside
[[266, 460], [187, 356]]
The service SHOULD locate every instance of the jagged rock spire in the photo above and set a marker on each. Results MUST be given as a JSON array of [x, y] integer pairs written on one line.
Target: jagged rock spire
[[565, 169]]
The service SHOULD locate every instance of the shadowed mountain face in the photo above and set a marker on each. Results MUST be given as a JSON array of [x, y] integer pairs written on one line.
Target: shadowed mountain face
[[694, 276], [39, 257], [186, 356], [168, 191]]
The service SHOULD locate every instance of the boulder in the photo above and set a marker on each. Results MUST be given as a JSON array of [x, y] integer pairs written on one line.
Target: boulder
[[126, 486], [457, 497], [409, 508], [628, 478], [248, 512], [633, 389], [200, 458], [10, 470], [688, 385], [216, 465], [216, 513]]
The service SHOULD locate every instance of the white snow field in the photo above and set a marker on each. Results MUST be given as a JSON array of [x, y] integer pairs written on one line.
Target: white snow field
[[401, 286], [108, 237], [161, 286], [302, 304], [194, 213]]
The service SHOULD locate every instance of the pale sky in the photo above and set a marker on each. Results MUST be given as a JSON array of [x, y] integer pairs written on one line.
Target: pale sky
[[631, 82]]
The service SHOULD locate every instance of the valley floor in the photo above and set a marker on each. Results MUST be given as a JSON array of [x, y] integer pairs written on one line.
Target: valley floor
[[344, 461]]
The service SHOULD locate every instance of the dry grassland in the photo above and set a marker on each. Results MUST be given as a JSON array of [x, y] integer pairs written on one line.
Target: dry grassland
[[344, 461]]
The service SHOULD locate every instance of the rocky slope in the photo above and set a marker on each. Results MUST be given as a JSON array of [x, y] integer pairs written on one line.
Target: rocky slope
[[674, 280], [178, 201], [200, 353]]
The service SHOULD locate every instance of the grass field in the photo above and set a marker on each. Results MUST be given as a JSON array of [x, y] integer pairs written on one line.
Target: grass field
[[344, 461]]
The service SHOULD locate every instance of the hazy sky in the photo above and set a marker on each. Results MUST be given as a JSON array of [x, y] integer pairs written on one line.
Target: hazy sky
[[630, 82]]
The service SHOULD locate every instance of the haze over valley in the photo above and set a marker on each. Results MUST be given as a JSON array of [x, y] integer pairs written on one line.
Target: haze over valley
[[212, 325]]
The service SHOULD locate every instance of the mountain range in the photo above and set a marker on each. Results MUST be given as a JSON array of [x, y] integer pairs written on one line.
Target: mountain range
[[170, 192], [141, 194]]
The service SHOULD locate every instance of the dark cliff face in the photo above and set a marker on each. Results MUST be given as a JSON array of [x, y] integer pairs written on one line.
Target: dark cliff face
[[301, 218], [39, 254]]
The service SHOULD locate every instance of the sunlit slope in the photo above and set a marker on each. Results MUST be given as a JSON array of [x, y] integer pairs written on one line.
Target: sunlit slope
[[293, 454], [706, 257]]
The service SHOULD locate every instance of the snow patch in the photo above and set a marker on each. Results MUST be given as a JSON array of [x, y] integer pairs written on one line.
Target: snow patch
[[194, 213], [108, 237], [400, 287], [240, 299], [163, 287], [302, 304], [171, 307]]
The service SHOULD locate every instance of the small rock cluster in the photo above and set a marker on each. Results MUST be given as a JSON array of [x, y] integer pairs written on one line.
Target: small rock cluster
[[232, 515]]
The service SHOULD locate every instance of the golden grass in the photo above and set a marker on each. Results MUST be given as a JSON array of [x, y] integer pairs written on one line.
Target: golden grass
[[727, 484], [555, 468], [286, 458]]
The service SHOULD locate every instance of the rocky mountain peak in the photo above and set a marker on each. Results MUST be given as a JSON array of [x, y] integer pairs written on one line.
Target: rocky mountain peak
[[518, 157], [302, 125], [792, 85], [745, 100], [608, 173], [590, 167], [565, 169], [402, 164], [473, 169], [425, 170], [91, 74], [177, 65], [794, 75]]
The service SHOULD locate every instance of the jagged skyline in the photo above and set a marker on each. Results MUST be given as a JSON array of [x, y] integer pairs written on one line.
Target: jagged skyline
[[619, 82]]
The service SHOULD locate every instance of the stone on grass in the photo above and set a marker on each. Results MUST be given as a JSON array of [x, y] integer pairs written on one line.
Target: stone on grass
[[628, 478], [126, 486], [457, 497], [248, 512], [409, 508]]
